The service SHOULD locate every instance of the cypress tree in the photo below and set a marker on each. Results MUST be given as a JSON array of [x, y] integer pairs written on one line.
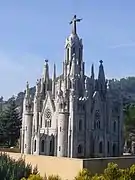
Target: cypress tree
[[10, 124]]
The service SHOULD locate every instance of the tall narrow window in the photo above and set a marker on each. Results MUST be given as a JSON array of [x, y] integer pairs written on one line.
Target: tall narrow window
[[42, 145], [48, 117], [80, 125], [80, 55], [100, 147], [41, 123], [73, 50], [114, 126], [108, 147], [67, 54], [34, 145], [114, 150], [79, 149], [51, 146]]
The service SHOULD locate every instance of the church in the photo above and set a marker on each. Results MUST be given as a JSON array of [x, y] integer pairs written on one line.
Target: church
[[72, 115]]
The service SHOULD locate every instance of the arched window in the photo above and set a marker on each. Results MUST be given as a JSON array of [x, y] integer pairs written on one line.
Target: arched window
[[34, 145], [73, 50], [79, 149], [108, 147], [80, 53], [41, 122], [114, 150], [98, 124], [48, 118], [51, 146], [42, 146], [114, 126], [100, 147], [80, 125], [67, 54]]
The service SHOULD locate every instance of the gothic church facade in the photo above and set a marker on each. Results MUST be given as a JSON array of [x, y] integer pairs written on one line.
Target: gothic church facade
[[72, 115]]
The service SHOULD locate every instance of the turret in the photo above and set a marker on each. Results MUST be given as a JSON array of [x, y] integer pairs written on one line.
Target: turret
[[101, 76], [92, 71], [73, 47], [101, 82], [45, 82], [92, 80], [53, 81], [36, 106], [27, 122], [62, 124]]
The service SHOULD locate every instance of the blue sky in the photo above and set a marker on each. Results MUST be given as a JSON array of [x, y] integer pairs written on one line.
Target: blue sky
[[32, 30]]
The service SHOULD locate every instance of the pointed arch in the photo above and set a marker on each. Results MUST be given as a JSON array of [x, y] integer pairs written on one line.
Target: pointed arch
[[100, 147], [108, 147], [79, 149], [80, 125], [68, 54], [114, 126], [114, 149], [43, 145], [35, 145], [51, 146]]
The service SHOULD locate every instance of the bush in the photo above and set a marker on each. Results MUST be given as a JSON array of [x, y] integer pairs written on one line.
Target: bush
[[84, 175], [38, 177], [53, 177], [11, 169], [112, 172]]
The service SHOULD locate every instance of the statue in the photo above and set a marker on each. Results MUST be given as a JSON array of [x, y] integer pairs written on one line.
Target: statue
[[73, 22]]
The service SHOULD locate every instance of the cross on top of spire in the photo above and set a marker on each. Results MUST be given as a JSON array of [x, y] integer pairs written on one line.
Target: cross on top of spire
[[73, 22], [101, 61]]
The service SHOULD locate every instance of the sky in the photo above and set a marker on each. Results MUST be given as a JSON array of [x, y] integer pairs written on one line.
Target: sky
[[34, 30]]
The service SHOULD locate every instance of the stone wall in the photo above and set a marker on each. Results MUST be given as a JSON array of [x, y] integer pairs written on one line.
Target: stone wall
[[68, 168], [97, 165]]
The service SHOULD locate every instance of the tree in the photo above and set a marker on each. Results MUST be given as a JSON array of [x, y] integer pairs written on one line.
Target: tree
[[10, 124]]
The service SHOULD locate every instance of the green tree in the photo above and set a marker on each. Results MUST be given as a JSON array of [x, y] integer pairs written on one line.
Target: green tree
[[129, 122], [10, 124]]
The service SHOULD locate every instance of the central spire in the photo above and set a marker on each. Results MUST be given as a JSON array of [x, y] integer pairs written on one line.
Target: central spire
[[73, 22]]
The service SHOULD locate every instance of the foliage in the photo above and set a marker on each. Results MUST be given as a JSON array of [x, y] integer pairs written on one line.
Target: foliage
[[112, 172], [13, 170], [33, 177], [10, 124], [129, 123], [38, 177], [84, 175], [54, 177]]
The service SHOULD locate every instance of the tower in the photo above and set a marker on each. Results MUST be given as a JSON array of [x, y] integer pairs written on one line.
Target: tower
[[27, 122], [53, 81], [63, 115], [73, 47]]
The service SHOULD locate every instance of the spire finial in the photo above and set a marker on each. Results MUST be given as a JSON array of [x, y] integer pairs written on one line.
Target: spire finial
[[92, 71], [46, 61], [54, 71], [101, 61], [27, 85], [73, 22], [27, 88]]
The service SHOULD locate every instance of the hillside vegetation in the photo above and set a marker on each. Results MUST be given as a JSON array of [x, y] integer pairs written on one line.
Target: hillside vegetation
[[125, 85]]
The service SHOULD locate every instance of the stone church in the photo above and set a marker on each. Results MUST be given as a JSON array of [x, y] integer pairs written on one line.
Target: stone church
[[72, 115]]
